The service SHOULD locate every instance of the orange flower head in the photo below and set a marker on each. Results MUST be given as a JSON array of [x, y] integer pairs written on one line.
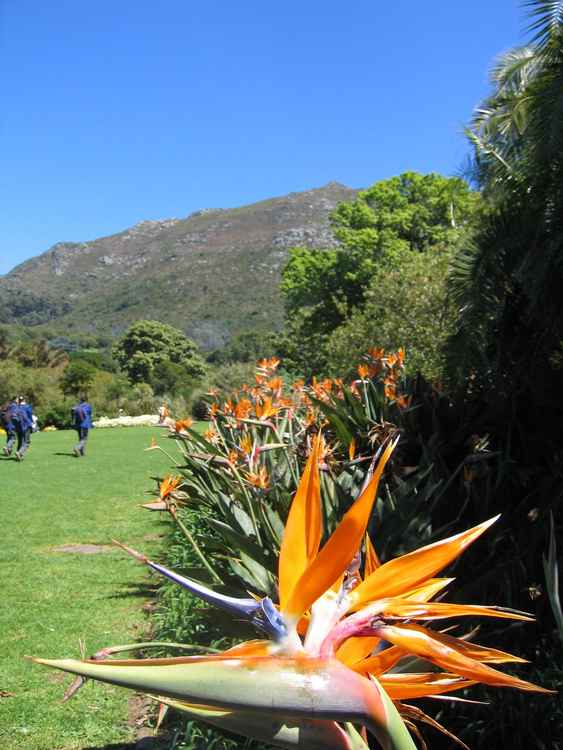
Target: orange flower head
[[275, 384], [182, 425], [243, 408], [310, 418], [376, 353], [268, 365], [298, 385], [403, 402], [266, 409], [259, 479], [246, 444], [168, 485], [211, 435], [390, 392]]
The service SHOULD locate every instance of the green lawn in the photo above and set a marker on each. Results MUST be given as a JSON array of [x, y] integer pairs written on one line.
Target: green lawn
[[53, 599]]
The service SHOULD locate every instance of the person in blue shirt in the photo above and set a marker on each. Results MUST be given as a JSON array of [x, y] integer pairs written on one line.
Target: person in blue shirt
[[82, 423], [8, 413], [23, 421]]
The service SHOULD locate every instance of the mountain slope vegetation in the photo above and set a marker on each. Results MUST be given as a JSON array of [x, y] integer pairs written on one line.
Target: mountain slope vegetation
[[212, 274]]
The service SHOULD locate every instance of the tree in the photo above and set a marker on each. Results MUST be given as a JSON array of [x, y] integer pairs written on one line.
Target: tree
[[38, 354], [410, 214], [406, 306], [508, 281], [148, 343], [77, 378], [247, 346]]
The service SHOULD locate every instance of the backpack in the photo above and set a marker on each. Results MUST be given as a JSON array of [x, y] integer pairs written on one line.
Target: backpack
[[79, 414], [9, 415]]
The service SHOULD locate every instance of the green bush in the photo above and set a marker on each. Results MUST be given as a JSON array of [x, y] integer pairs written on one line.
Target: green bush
[[56, 414]]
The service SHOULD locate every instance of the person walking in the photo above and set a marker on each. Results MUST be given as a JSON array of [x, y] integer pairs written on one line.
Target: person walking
[[82, 423], [7, 415], [23, 421], [163, 413]]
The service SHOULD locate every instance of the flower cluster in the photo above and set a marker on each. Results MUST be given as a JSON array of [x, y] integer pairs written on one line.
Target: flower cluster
[[342, 633]]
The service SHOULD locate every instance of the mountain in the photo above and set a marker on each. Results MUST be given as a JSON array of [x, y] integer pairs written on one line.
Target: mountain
[[212, 274]]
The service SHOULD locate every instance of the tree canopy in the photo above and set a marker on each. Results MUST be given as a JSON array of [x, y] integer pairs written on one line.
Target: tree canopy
[[386, 224], [148, 344], [77, 378], [508, 281]]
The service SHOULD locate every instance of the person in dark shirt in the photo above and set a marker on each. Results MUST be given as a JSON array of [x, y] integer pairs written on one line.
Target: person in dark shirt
[[8, 413], [23, 420], [82, 423]]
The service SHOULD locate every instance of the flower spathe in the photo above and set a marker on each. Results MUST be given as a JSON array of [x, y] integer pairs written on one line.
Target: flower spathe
[[340, 670]]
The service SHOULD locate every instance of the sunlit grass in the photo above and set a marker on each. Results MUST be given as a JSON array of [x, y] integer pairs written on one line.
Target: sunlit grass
[[51, 599]]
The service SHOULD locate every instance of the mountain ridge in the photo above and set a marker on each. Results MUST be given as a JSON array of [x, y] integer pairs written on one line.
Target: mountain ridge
[[213, 273]]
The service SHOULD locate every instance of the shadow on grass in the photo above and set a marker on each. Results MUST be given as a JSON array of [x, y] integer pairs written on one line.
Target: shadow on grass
[[144, 590], [61, 453], [146, 743]]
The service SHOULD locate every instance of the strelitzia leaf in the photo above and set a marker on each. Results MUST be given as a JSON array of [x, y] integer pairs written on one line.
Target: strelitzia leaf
[[313, 734], [243, 542], [551, 570], [281, 687], [252, 573], [415, 713]]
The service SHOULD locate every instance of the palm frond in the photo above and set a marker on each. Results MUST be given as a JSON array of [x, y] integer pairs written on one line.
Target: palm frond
[[546, 22]]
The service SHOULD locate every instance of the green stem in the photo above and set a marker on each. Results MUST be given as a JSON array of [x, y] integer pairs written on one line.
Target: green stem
[[286, 454], [172, 460], [158, 644], [366, 400], [197, 550], [249, 504]]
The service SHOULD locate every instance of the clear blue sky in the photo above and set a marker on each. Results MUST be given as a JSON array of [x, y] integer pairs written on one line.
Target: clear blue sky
[[114, 112]]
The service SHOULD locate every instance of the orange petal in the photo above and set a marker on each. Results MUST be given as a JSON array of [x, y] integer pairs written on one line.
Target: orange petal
[[401, 686], [338, 552], [379, 663], [427, 590], [250, 648], [420, 610], [410, 570], [355, 649], [475, 651], [422, 642], [372, 561], [302, 534]]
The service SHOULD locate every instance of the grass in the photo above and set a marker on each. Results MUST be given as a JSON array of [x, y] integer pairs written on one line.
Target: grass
[[51, 599]]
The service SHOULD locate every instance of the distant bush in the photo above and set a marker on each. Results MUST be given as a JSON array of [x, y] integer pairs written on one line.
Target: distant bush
[[56, 414]]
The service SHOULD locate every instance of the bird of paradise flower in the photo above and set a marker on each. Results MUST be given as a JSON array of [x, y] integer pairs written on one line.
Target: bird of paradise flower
[[331, 662]]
